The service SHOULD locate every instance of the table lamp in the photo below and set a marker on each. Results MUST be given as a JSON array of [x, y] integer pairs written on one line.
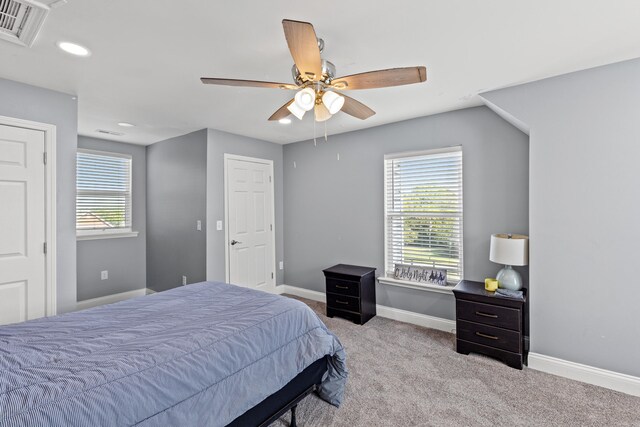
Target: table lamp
[[509, 249]]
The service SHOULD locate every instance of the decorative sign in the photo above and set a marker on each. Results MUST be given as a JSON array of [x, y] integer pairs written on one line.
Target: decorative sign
[[413, 273]]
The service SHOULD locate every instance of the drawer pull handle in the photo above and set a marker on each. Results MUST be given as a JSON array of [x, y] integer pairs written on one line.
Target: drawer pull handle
[[342, 287], [491, 337], [493, 316], [342, 302]]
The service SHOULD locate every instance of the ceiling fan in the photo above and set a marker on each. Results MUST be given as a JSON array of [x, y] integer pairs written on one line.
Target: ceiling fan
[[315, 80]]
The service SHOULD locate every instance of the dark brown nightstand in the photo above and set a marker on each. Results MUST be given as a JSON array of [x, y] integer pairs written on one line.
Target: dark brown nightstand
[[489, 323], [351, 292]]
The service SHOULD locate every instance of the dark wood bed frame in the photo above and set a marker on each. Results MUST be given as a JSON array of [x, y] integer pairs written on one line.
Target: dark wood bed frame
[[285, 399]]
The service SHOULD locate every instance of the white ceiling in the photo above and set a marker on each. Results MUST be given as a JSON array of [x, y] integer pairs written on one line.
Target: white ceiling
[[148, 56]]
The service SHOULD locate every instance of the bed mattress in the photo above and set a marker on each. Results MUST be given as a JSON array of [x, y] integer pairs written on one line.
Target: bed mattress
[[200, 355]]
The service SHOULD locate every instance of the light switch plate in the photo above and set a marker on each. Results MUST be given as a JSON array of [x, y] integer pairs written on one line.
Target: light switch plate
[[218, 225], [281, 265], [199, 225], [104, 275]]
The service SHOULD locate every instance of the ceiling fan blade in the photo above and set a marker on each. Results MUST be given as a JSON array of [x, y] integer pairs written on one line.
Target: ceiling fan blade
[[356, 108], [281, 112], [247, 83], [303, 44], [381, 78]]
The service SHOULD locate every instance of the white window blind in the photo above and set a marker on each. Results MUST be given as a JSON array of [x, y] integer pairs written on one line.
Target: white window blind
[[423, 210], [103, 185]]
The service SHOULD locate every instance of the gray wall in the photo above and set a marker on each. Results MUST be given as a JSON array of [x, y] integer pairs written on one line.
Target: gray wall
[[334, 208], [585, 146], [219, 144], [176, 199], [45, 106], [124, 258]]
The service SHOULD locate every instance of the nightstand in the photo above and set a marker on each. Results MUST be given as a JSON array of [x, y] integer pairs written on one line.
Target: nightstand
[[489, 323], [351, 292]]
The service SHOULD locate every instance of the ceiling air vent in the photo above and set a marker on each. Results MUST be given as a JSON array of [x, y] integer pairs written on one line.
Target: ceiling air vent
[[21, 20], [109, 132]]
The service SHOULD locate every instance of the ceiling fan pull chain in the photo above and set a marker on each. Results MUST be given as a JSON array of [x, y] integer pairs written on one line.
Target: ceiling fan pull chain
[[315, 143], [325, 131]]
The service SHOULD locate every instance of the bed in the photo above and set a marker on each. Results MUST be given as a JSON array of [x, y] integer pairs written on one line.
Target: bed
[[208, 354]]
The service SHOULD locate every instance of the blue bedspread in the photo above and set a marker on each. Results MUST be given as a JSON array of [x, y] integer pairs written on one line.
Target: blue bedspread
[[198, 355]]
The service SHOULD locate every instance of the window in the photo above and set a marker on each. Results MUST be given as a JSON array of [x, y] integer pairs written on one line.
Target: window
[[103, 198], [423, 210]]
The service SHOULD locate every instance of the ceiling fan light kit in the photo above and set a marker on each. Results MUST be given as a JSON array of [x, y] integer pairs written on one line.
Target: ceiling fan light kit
[[296, 110], [315, 80], [321, 113], [305, 99], [333, 101]]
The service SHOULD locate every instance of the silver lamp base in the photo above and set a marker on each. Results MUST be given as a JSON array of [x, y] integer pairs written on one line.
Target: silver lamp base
[[508, 278]]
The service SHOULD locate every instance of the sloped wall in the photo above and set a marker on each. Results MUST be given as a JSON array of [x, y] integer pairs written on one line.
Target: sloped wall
[[584, 211]]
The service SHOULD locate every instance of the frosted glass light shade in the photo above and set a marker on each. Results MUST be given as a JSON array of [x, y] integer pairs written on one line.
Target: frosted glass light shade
[[321, 113], [509, 249], [305, 99], [295, 109], [333, 101]]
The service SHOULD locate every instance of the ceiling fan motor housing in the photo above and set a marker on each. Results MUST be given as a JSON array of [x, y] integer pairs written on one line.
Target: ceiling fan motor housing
[[328, 73]]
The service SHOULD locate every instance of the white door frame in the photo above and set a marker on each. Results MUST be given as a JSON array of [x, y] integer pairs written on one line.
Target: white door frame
[[228, 157], [50, 203]]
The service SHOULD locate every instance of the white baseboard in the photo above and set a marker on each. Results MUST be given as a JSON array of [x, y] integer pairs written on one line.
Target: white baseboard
[[612, 380], [382, 310], [109, 299], [301, 292], [576, 371], [423, 320]]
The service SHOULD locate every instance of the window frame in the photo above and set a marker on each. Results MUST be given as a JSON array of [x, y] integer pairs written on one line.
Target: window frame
[[107, 233], [388, 279]]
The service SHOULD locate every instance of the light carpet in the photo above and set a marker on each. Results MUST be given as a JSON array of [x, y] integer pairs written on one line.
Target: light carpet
[[405, 375]]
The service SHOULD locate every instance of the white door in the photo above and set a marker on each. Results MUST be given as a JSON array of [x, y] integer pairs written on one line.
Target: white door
[[250, 222], [22, 225]]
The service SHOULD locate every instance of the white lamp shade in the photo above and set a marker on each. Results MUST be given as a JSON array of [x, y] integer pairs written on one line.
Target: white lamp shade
[[305, 99], [296, 110], [509, 249], [321, 113], [333, 101]]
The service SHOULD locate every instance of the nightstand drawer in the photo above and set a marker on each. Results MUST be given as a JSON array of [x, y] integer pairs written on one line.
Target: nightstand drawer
[[343, 287], [488, 314], [342, 302], [349, 315], [489, 336]]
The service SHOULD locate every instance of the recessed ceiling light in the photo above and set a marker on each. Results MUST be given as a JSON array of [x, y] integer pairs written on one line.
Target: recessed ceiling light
[[126, 125], [285, 121], [74, 49]]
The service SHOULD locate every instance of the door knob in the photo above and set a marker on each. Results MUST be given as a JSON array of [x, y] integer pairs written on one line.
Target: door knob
[[234, 242]]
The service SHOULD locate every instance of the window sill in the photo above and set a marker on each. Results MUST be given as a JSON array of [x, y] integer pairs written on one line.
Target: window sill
[[448, 290], [104, 235]]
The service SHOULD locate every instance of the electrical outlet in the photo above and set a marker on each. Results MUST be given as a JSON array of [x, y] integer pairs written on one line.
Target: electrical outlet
[[281, 265], [184, 280], [104, 275], [199, 225]]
